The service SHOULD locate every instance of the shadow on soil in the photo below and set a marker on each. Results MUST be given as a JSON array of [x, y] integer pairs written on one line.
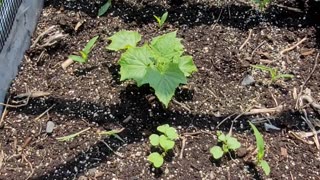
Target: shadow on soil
[[242, 16], [146, 116]]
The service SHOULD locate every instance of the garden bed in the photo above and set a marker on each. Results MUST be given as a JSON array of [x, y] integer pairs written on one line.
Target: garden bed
[[223, 38]]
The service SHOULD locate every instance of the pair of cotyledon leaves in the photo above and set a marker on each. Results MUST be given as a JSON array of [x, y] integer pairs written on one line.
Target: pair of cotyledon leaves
[[165, 141], [159, 64]]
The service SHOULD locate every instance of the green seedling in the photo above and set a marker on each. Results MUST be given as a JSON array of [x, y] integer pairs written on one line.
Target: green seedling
[[113, 133], [229, 143], [274, 73], [262, 3], [104, 8], [260, 145], [161, 20], [71, 136], [165, 142], [84, 52], [161, 63]]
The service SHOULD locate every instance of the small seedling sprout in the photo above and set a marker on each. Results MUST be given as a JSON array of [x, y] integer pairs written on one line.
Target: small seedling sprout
[[165, 142], [113, 133], [261, 150], [161, 20], [229, 143], [72, 136], [104, 8], [84, 52], [274, 73]]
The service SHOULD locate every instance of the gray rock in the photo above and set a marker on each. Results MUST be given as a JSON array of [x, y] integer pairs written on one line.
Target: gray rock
[[50, 127], [248, 80]]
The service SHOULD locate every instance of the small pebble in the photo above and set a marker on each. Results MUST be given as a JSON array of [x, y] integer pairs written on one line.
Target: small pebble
[[50, 127], [248, 80]]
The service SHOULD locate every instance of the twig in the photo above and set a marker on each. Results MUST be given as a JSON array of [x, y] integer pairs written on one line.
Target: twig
[[47, 31], [308, 78], [33, 94], [4, 113], [184, 140], [237, 117], [247, 40], [45, 112], [228, 117], [182, 105], [66, 63], [116, 153], [16, 106], [221, 11], [257, 48], [31, 167], [294, 46], [53, 39], [289, 8], [315, 135], [264, 110]]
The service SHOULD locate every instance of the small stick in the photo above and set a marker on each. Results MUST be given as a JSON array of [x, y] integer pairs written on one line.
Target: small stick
[[44, 113], [294, 46], [247, 40], [184, 140], [66, 63], [257, 48], [33, 94], [16, 106], [31, 167], [4, 113], [116, 153], [308, 78], [264, 110], [182, 105], [215, 24], [47, 31]]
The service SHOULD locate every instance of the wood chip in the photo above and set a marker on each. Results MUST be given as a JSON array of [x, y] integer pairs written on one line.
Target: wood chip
[[284, 152]]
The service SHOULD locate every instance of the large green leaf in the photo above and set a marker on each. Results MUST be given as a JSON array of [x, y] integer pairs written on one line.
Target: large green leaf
[[165, 82], [186, 65], [167, 45], [124, 40], [135, 62]]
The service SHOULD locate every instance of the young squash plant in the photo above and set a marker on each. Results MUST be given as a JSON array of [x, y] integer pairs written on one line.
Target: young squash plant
[[160, 63], [260, 145], [165, 142], [274, 72], [229, 143]]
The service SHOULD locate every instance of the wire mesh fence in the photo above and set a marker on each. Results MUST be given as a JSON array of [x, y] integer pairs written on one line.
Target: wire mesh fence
[[8, 11]]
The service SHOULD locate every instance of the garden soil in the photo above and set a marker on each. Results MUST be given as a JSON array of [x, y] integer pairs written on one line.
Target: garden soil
[[91, 96]]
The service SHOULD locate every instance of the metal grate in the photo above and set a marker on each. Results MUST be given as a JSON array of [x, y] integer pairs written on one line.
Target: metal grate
[[8, 11]]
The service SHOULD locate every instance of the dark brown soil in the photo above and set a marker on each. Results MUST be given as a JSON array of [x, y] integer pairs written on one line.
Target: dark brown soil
[[91, 95]]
